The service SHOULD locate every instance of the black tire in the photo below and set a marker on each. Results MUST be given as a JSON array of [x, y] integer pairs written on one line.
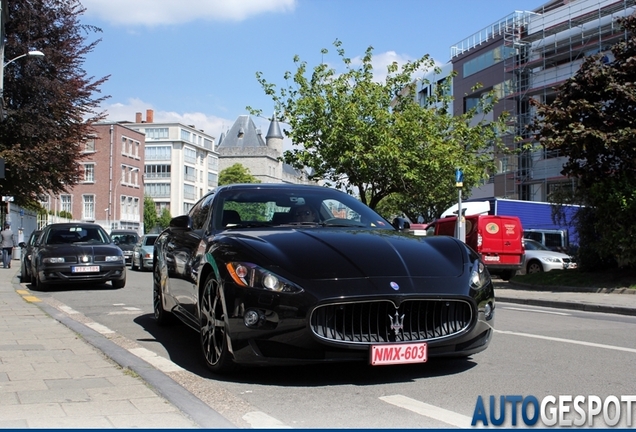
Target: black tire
[[23, 274], [39, 285], [213, 329], [116, 283], [534, 267], [132, 264], [162, 316]]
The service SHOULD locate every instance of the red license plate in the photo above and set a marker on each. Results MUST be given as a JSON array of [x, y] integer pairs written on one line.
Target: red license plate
[[85, 269], [398, 353]]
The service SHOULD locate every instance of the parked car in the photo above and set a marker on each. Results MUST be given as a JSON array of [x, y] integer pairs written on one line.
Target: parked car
[[540, 258], [25, 255], [75, 252], [142, 252], [262, 286], [126, 240]]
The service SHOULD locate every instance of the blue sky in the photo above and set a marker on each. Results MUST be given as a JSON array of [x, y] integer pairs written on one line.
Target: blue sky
[[195, 61]]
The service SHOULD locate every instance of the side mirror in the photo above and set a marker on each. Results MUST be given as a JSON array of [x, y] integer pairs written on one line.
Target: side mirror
[[182, 222], [22, 244], [401, 224]]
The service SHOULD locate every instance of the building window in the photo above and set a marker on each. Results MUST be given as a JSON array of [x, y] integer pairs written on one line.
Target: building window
[[213, 179], [158, 190], [189, 173], [157, 171], [89, 173], [89, 207], [156, 133], [89, 145], [185, 135], [213, 163], [163, 153], [189, 192], [66, 204], [487, 59], [190, 155], [207, 143]]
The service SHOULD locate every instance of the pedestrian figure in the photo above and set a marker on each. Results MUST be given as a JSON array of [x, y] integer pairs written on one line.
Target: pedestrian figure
[[7, 245]]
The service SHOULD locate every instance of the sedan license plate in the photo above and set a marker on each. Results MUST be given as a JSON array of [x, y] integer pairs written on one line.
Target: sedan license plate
[[398, 353], [85, 269]]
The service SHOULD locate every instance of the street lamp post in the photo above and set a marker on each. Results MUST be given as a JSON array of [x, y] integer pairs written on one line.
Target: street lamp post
[[33, 53]]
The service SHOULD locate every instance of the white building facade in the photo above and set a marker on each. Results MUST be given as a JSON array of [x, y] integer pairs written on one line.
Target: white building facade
[[181, 163]]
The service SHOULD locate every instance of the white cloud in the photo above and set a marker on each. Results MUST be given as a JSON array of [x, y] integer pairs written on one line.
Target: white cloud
[[210, 124], [168, 12], [383, 60]]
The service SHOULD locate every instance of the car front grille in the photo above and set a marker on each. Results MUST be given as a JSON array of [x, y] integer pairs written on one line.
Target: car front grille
[[381, 321]]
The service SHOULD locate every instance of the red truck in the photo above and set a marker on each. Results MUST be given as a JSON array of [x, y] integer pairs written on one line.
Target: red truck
[[497, 239]]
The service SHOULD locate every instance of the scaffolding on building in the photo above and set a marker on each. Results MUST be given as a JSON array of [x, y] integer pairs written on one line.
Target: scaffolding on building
[[550, 44]]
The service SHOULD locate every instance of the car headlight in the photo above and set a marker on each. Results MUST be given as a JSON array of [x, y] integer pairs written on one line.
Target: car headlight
[[252, 276], [551, 259], [114, 258], [53, 260], [479, 276]]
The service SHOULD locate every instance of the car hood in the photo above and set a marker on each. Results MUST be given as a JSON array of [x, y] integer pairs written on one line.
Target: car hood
[[546, 254], [354, 254]]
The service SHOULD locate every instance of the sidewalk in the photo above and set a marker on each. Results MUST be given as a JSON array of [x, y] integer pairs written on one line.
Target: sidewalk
[[58, 373], [620, 301]]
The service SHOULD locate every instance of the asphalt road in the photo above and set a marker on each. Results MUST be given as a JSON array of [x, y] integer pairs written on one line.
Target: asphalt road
[[535, 351]]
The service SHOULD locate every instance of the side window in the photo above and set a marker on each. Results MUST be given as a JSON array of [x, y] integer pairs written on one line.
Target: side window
[[534, 236], [199, 213], [553, 241]]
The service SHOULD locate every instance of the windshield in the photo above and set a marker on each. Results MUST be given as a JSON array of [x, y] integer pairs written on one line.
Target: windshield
[[534, 245], [316, 207], [77, 234]]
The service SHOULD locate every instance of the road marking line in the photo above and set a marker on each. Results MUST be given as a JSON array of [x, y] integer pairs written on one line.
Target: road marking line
[[260, 420], [535, 310], [128, 312], [99, 328], [131, 308], [161, 363], [69, 310], [421, 408], [571, 341]]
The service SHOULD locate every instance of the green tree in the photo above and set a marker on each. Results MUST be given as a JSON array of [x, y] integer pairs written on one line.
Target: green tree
[[376, 141], [236, 173], [150, 214], [49, 101], [593, 122], [164, 219]]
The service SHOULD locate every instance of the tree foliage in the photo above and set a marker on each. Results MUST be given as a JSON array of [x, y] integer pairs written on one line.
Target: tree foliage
[[375, 140], [593, 122], [49, 101], [150, 215], [164, 219], [236, 173]]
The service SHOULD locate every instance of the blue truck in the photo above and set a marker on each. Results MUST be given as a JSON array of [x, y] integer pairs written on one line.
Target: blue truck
[[536, 219]]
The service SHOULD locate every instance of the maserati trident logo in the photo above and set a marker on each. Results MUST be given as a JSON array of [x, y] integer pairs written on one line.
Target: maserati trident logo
[[395, 286], [397, 322]]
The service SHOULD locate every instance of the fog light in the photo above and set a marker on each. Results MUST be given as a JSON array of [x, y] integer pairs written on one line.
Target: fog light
[[251, 318], [488, 310]]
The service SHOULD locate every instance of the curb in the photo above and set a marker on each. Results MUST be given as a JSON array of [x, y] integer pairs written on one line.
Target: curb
[[559, 288], [193, 407], [586, 307]]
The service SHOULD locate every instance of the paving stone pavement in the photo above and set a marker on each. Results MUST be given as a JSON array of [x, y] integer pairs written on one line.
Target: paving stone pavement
[[52, 377]]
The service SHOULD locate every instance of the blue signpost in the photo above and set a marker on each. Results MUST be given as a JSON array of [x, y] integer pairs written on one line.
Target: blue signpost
[[459, 183]]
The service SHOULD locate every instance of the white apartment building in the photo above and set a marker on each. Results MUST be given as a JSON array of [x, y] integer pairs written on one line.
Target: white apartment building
[[181, 163]]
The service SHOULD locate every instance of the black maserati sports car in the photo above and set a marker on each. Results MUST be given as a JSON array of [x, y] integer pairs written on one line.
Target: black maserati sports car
[[291, 274]]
